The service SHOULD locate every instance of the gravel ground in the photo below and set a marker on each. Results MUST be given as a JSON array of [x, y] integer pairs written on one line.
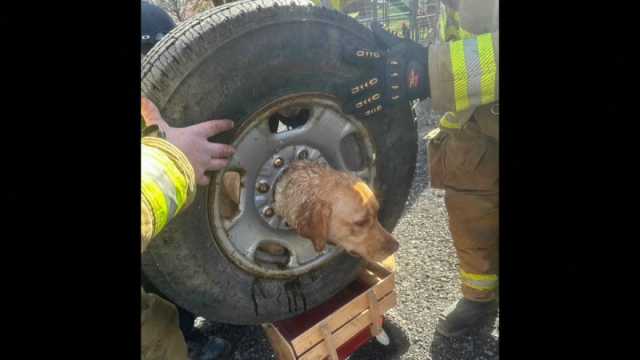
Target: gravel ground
[[426, 281]]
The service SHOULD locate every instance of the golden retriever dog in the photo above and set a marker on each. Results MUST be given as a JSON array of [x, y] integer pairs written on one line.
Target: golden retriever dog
[[325, 205]]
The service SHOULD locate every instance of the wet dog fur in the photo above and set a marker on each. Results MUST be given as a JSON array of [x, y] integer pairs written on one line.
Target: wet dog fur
[[325, 205]]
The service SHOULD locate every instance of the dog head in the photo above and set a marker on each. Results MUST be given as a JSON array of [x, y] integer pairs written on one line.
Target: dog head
[[348, 217]]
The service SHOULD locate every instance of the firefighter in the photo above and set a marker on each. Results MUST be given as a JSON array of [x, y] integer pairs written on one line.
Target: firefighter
[[155, 23], [460, 75], [174, 160]]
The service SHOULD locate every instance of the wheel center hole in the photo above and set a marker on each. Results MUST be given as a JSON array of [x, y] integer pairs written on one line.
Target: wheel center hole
[[288, 119]]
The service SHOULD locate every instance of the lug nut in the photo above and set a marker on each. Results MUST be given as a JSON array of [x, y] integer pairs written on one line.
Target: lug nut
[[278, 162], [302, 155], [268, 212], [263, 187]]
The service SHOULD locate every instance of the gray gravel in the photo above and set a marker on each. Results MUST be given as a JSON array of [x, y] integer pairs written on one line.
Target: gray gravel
[[426, 280]]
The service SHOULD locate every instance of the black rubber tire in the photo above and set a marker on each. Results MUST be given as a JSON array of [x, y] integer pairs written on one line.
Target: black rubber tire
[[227, 63]]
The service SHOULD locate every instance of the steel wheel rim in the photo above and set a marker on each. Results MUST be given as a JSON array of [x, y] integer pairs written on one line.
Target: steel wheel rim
[[322, 136]]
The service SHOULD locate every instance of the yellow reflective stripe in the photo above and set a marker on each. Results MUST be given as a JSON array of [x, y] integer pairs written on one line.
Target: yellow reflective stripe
[[483, 277], [165, 185], [179, 160], [479, 287], [489, 69], [483, 282], [459, 70], [445, 123], [153, 171], [178, 180], [159, 207], [146, 222]]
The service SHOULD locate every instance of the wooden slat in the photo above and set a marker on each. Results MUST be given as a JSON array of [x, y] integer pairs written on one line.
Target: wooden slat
[[279, 344], [374, 313], [319, 352], [385, 286], [369, 277], [375, 275], [378, 269], [336, 320], [329, 341]]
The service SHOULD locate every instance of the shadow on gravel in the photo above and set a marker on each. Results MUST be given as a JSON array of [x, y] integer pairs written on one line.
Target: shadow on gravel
[[249, 342], [477, 345], [373, 350]]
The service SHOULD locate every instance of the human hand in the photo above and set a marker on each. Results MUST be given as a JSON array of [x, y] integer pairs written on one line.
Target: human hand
[[193, 141]]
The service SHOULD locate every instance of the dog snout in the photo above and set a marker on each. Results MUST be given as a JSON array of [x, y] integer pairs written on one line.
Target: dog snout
[[392, 246], [389, 243]]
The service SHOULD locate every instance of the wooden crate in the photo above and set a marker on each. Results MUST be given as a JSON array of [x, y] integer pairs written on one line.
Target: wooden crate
[[333, 329]]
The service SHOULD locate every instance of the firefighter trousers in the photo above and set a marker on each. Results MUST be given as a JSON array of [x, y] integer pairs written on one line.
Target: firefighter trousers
[[161, 337], [465, 163]]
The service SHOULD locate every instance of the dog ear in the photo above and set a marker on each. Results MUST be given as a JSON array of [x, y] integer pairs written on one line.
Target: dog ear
[[315, 224]]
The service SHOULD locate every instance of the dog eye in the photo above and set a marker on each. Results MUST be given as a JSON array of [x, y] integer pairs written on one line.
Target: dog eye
[[362, 222]]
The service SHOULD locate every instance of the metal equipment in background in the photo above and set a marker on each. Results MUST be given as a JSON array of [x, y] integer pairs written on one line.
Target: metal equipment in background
[[414, 19]]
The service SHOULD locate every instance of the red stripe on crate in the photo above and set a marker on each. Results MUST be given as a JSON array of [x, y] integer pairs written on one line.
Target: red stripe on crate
[[353, 344]]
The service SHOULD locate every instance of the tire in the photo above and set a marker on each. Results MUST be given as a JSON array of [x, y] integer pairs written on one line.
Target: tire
[[227, 63]]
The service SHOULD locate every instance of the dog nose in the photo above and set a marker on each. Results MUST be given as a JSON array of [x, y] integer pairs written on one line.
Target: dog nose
[[393, 246], [390, 243]]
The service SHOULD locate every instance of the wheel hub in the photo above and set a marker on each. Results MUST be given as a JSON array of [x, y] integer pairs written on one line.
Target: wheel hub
[[268, 176], [253, 236]]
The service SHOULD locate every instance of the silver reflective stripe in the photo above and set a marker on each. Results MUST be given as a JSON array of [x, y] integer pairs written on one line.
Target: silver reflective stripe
[[474, 71], [153, 171]]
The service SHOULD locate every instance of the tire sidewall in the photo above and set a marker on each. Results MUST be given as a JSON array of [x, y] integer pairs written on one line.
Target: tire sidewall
[[273, 57]]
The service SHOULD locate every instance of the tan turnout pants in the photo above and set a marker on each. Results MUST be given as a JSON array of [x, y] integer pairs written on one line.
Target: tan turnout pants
[[161, 338], [465, 162]]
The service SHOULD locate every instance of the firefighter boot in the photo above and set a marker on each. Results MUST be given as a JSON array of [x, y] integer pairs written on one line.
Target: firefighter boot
[[464, 315]]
